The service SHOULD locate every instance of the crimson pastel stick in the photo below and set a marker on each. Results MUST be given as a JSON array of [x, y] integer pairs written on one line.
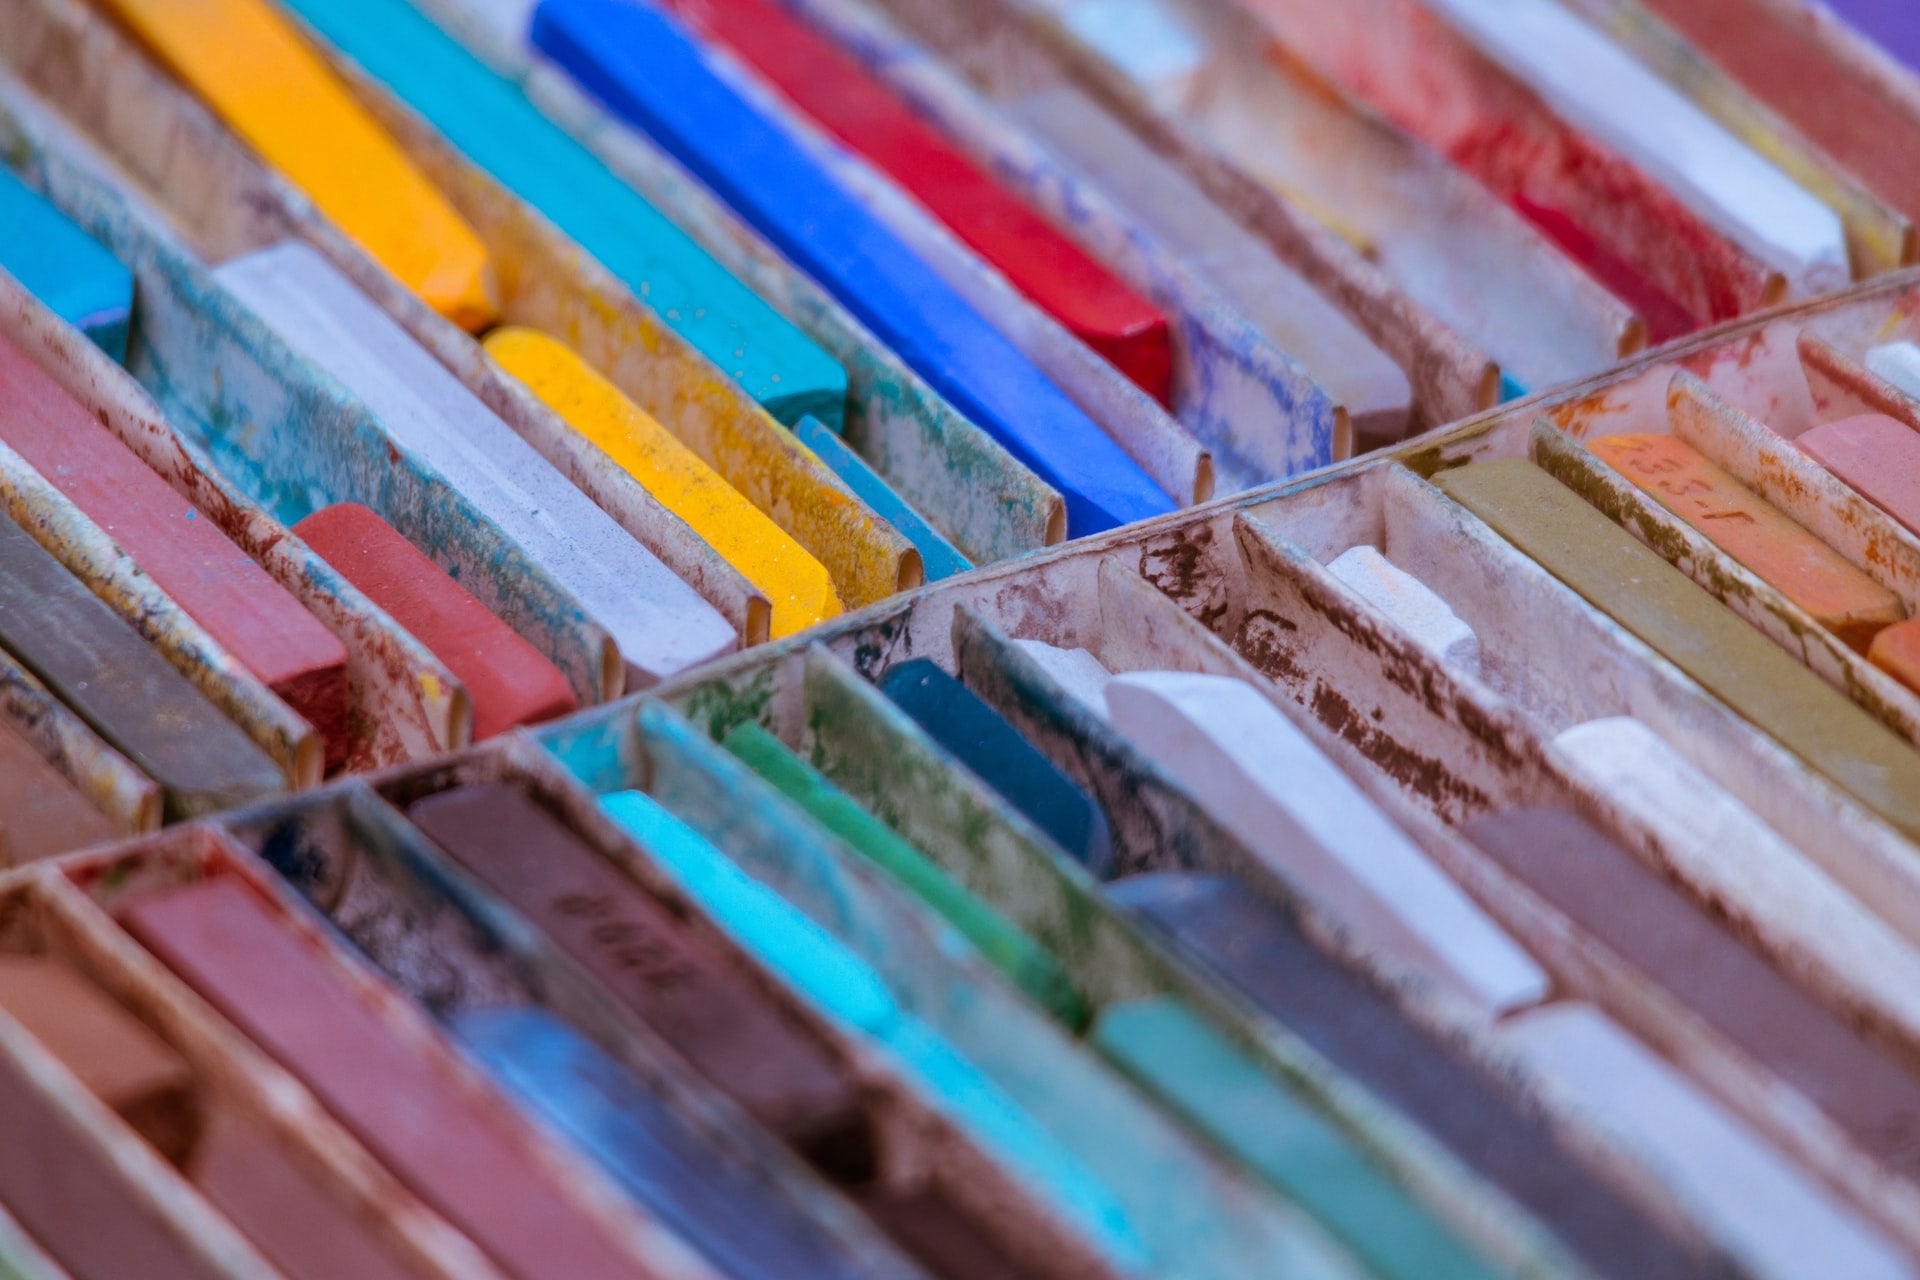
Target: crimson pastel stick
[[651, 74], [844, 98]]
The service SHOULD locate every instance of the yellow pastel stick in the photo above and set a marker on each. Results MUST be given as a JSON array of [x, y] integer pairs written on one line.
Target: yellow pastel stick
[[272, 88], [796, 584]]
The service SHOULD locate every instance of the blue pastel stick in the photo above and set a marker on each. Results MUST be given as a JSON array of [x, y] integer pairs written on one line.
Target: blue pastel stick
[[488, 119], [573, 1086], [938, 555], [649, 72], [71, 273], [981, 739]]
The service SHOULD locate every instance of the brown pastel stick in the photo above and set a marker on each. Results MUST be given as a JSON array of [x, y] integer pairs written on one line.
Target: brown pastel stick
[[123, 1063], [266, 1190], [253, 617], [697, 997], [509, 681], [41, 811], [1652, 927], [1896, 651], [1877, 455], [1744, 525], [454, 1146], [120, 685]]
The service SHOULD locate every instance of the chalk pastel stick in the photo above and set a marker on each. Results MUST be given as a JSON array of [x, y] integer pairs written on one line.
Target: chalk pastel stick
[[75, 1197], [1656, 602], [490, 120], [1598, 87], [41, 812], [843, 985], [121, 686], [1077, 672], [1266, 782], [1409, 603], [268, 1188], [1770, 1212], [1031, 968], [699, 999], [569, 1082], [1857, 120], [450, 1145], [938, 557], [1877, 455], [1221, 926], [846, 100], [660, 624], [649, 73], [509, 682], [1211, 1083], [1898, 363], [982, 740], [1740, 522], [68, 270], [1896, 651], [139, 1076], [795, 583], [272, 89], [1631, 910], [249, 614], [1232, 261]]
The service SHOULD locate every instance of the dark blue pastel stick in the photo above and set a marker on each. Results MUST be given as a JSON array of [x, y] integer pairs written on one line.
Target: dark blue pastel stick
[[648, 71], [940, 558], [67, 269], [981, 739], [569, 1083]]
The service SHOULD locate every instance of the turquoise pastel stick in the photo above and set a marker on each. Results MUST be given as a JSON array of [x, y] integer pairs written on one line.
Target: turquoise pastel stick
[[936, 553], [490, 120], [844, 986], [68, 270]]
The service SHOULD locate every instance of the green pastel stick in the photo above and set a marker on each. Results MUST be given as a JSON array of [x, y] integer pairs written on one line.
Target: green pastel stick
[[1241, 1108], [488, 118], [1009, 950]]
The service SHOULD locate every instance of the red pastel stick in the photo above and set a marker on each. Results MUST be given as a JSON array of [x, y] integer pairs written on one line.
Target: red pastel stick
[[509, 681], [250, 615], [847, 101]]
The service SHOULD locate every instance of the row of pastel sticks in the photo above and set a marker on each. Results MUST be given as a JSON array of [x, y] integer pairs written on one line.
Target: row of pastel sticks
[[905, 320], [1496, 859]]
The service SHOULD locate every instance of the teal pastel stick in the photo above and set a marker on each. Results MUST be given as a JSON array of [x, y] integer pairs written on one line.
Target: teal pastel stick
[[1239, 1107], [838, 982], [68, 270], [936, 553], [489, 119]]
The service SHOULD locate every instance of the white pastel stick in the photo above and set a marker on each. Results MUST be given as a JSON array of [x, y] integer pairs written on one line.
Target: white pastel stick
[[660, 625], [1753, 1201], [1076, 671], [1819, 932], [1898, 363], [1598, 88], [1414, 606], [1236, 265], [1268, 784], [1144, 39]]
